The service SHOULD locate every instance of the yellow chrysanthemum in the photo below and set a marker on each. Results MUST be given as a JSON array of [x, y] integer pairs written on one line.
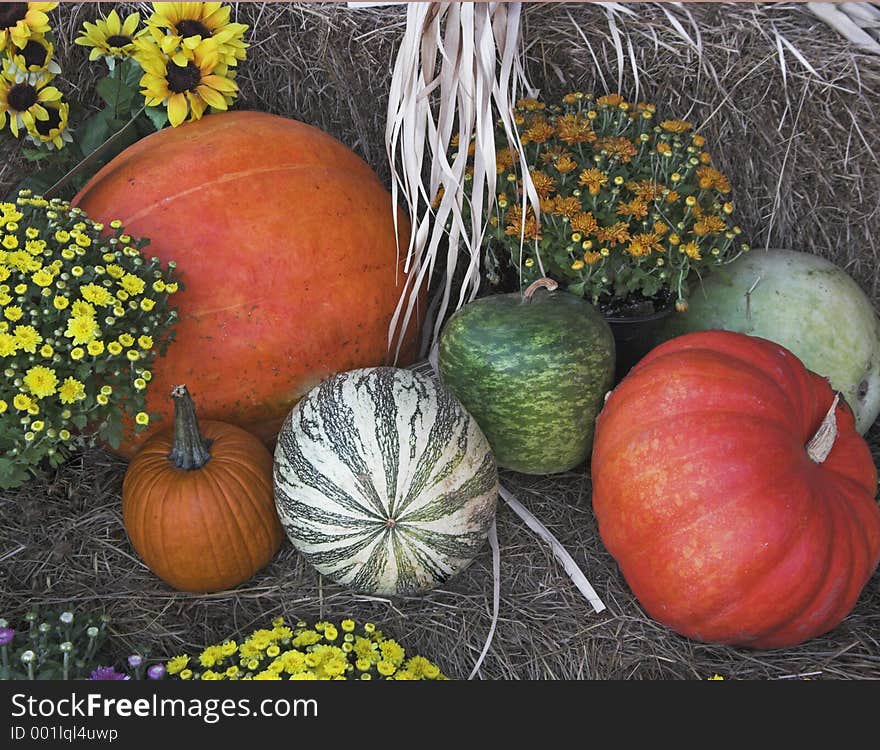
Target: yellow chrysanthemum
[[97, 295], [71, 391], [187, 88], [22, 402], [23, 102], [8, 344], [210, 656], [20, 21], [27, 338], [42, 278], [392, 652], [13, 313], [82, 309], [110, 37], [41, 381], [177, 664], [385, 668], [82, 329]]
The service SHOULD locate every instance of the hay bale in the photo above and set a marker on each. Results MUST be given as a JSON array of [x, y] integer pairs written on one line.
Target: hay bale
[[788, 106], [789, 111]]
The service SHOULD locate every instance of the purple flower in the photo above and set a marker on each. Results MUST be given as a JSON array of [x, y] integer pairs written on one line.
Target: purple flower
[[6, 636], [107, 673], [156, 672], [135, 660]]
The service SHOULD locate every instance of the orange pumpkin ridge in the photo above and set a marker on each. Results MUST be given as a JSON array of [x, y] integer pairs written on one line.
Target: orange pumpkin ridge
[[724, 526], [285, 245]]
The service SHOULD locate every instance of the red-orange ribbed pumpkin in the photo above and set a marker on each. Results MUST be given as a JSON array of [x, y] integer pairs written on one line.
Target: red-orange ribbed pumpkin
[[285, 243], [727, 520]]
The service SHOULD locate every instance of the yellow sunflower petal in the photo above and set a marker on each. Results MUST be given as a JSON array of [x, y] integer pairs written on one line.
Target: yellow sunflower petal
[[49, 94], [131, 23], [213, 98], [114, 25], [220, 84], [177, 109]]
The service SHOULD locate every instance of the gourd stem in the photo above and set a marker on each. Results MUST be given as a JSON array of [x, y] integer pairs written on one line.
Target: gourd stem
[[545, 283], [189, 450], [822, 442]]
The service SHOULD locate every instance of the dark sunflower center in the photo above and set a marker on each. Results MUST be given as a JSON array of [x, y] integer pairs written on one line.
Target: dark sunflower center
[[21, 97], [11, 14], [118, 41], [183, 79], [34, 53], [188, 27], [45, 126]]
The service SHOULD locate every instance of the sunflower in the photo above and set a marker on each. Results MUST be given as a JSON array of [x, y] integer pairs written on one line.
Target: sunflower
[[53, 132], [186, 90], [20, 21], [111, 37], [33, 61], [23, 102], [179, 26]]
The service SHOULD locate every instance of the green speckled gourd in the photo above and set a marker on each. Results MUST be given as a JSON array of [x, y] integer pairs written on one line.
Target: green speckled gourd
[[533, 369]]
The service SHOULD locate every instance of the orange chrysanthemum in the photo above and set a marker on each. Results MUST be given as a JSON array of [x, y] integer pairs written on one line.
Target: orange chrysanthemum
[[617, 147], [593, 179], [584, 222]]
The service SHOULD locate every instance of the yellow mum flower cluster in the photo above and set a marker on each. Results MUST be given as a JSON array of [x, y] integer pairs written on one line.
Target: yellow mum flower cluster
[[28, 104], [629, 208], [324, 651], [83, 313]]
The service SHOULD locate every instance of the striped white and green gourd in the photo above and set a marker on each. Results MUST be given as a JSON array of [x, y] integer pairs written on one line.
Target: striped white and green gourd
[[384, 482]]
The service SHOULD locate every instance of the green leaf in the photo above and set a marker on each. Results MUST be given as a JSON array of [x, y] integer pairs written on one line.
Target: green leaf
[[130, 72], [38, 154], [577, 289], [117, 94], [93, 132], [158, 116], [651, 285], [112, 430]]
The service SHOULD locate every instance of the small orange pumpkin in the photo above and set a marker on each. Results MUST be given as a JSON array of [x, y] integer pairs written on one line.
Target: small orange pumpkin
[[198, 504]]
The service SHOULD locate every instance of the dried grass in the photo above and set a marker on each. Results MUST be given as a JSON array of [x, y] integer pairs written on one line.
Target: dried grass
[[791, 113], [63, 543]]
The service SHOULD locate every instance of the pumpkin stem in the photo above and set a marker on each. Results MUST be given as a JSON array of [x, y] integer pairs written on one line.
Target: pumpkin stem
[[822, 442], [547, 284], [189, 450]]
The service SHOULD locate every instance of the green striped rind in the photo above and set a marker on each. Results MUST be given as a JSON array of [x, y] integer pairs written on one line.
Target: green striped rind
[[534, 375], [383, 443]]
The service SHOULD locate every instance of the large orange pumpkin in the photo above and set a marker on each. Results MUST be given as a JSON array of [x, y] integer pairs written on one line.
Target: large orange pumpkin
[[284, 240], [727, 518]]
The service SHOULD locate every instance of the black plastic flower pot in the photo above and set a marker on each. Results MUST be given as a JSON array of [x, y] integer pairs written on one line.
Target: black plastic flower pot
[[634, 337]]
